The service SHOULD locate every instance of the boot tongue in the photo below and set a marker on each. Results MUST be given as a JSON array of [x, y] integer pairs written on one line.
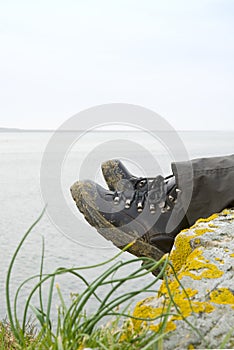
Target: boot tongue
[[157, 192], [126, 184]]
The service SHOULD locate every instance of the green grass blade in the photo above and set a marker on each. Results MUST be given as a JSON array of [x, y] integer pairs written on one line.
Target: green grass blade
[[40, 278], [13, 322]]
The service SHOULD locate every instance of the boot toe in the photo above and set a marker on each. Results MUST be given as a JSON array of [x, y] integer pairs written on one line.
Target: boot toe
[[89, 192]]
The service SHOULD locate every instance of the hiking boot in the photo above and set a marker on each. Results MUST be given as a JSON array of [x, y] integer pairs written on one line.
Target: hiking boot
[[140, 211]]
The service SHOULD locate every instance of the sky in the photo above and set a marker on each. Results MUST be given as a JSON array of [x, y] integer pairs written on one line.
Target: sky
[[59, 57]]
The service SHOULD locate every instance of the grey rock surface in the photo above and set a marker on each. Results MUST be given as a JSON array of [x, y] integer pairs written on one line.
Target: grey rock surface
[[200, 296]]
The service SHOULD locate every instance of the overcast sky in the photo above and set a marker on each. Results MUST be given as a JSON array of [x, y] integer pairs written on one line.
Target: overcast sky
[[59, 57]]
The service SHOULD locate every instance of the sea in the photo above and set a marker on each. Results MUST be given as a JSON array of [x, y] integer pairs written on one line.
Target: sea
[[36, 172]]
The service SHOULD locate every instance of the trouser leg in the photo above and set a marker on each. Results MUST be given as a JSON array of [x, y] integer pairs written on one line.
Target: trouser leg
[[207, 186]]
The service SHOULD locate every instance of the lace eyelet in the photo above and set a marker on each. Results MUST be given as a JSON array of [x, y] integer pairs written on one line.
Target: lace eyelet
[[127, 203], [139, 207], [116, 200], [142, 183], [152, 208], [161, 205]]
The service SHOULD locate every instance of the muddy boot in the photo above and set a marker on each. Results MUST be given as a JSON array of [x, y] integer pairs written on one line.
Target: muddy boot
[[140, 212]]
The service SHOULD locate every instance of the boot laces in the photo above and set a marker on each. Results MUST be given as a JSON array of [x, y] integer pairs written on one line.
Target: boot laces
[[138, 190]]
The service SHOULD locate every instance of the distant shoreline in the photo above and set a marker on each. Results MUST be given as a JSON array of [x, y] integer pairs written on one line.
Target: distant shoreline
[[24, 130], [15, 130]]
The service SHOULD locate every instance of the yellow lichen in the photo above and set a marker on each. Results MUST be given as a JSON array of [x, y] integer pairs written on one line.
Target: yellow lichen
[[191, 347], [183, 300], [197, 267], [170, 326], [197, 241], [182, 247], [219, 260], [144, 311], [202, 231], [210, 218], [213, 225], [225, 212], [187, 305], [182, 250], [232, 255], [222, 296]]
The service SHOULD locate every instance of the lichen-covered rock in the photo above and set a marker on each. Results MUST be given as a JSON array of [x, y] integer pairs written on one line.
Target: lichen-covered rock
[[195, 302]]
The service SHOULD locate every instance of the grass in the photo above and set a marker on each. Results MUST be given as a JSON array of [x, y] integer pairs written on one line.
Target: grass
[[110, 327], [8, 340]]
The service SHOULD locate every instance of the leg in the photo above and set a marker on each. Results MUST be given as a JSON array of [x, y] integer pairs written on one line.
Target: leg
[[213, 185]]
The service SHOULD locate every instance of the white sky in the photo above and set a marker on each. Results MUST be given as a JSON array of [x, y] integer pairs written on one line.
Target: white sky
[[59, 57]]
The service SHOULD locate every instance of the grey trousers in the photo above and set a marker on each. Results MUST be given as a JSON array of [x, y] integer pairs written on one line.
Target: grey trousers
[[207, 186]]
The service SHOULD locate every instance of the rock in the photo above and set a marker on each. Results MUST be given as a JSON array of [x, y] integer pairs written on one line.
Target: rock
[[199, 294]]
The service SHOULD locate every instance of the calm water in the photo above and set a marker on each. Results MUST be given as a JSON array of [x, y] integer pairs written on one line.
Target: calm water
[[21, 198]]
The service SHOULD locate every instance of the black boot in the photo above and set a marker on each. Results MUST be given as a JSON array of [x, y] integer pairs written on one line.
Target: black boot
[[141, 211]]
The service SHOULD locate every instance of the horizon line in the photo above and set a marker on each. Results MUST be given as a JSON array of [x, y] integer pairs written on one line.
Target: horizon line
[[10, 129]]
